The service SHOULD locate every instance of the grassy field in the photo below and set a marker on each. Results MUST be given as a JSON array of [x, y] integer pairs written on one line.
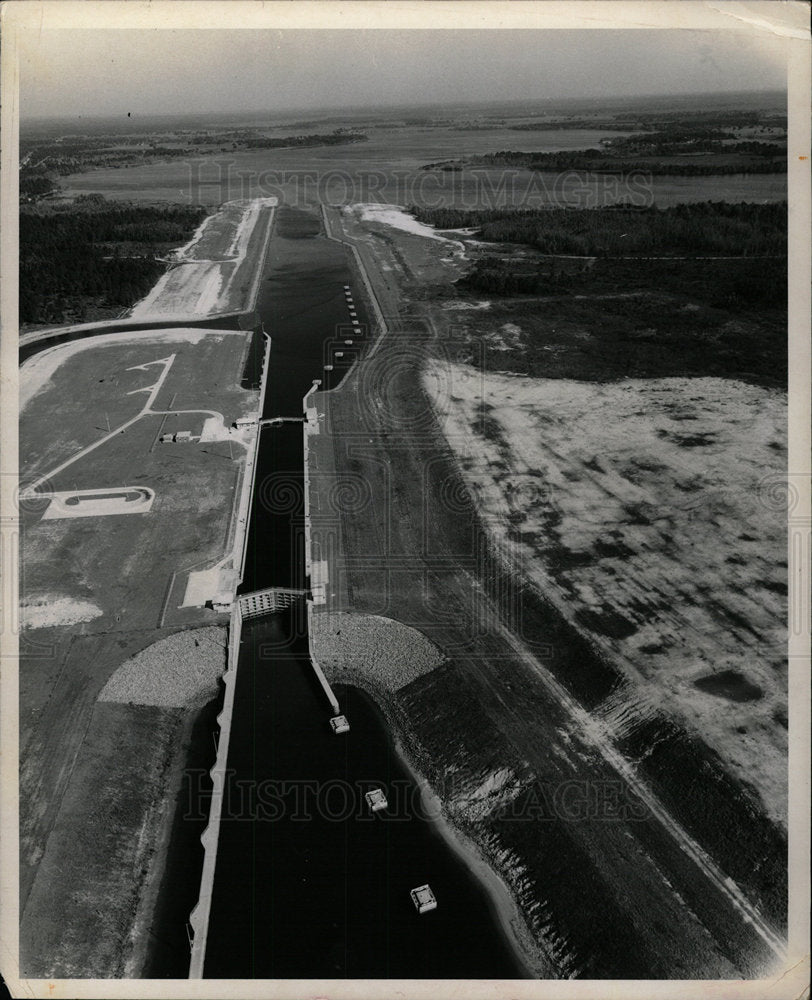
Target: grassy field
[[79, 914], [129, 570]]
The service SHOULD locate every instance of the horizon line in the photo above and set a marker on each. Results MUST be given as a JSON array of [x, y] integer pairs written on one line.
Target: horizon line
[[416, 104]]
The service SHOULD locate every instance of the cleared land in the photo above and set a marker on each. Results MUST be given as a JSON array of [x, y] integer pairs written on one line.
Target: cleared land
[[524, 705], [97, 592], [643, 510], [216, 270]]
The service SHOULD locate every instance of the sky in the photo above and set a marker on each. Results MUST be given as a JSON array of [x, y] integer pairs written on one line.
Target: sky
[[111, 72]]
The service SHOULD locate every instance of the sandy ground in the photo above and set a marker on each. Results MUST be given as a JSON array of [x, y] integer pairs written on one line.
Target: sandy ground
[[642, 509], [392, 215], [522, 705], [49, 610], [179, 671], [210, 267]]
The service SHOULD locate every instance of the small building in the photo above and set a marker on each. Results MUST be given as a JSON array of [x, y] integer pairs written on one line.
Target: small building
[[167, 438], [244, 422], [376, 800], [340, 724], [183, 437], [221, 602], [423, 899]]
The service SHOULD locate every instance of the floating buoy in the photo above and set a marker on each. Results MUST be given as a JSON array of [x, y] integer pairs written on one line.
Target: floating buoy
[[376, 800], [340, 724], [423, 899]]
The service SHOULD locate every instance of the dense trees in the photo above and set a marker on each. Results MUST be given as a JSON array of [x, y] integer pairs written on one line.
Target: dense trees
[[74, 154], [730, 256], [339, 137], [35, 184], [667, 161], [722, 284], [699, 229], [687, 145], [94, 254]]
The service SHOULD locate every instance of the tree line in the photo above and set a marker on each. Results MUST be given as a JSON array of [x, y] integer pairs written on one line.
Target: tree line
[[724, 284], [698, 229], [94, 253], [763, 160]]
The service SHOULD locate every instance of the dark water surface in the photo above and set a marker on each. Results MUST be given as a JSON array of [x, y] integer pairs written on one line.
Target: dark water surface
[[303, 308], [308, 883]]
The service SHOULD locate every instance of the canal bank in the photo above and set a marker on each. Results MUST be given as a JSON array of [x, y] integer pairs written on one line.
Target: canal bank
[[614, 895], [301, 890], [156, 852]]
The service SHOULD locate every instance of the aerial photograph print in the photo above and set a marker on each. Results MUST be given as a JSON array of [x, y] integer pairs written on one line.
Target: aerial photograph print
[[405, 499]]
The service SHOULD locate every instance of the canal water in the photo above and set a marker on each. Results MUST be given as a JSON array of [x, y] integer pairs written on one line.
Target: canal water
[[304, 308], [308, 883]]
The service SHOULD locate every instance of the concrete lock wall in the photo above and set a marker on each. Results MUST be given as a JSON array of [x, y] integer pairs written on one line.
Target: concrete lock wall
[[265, 602]]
